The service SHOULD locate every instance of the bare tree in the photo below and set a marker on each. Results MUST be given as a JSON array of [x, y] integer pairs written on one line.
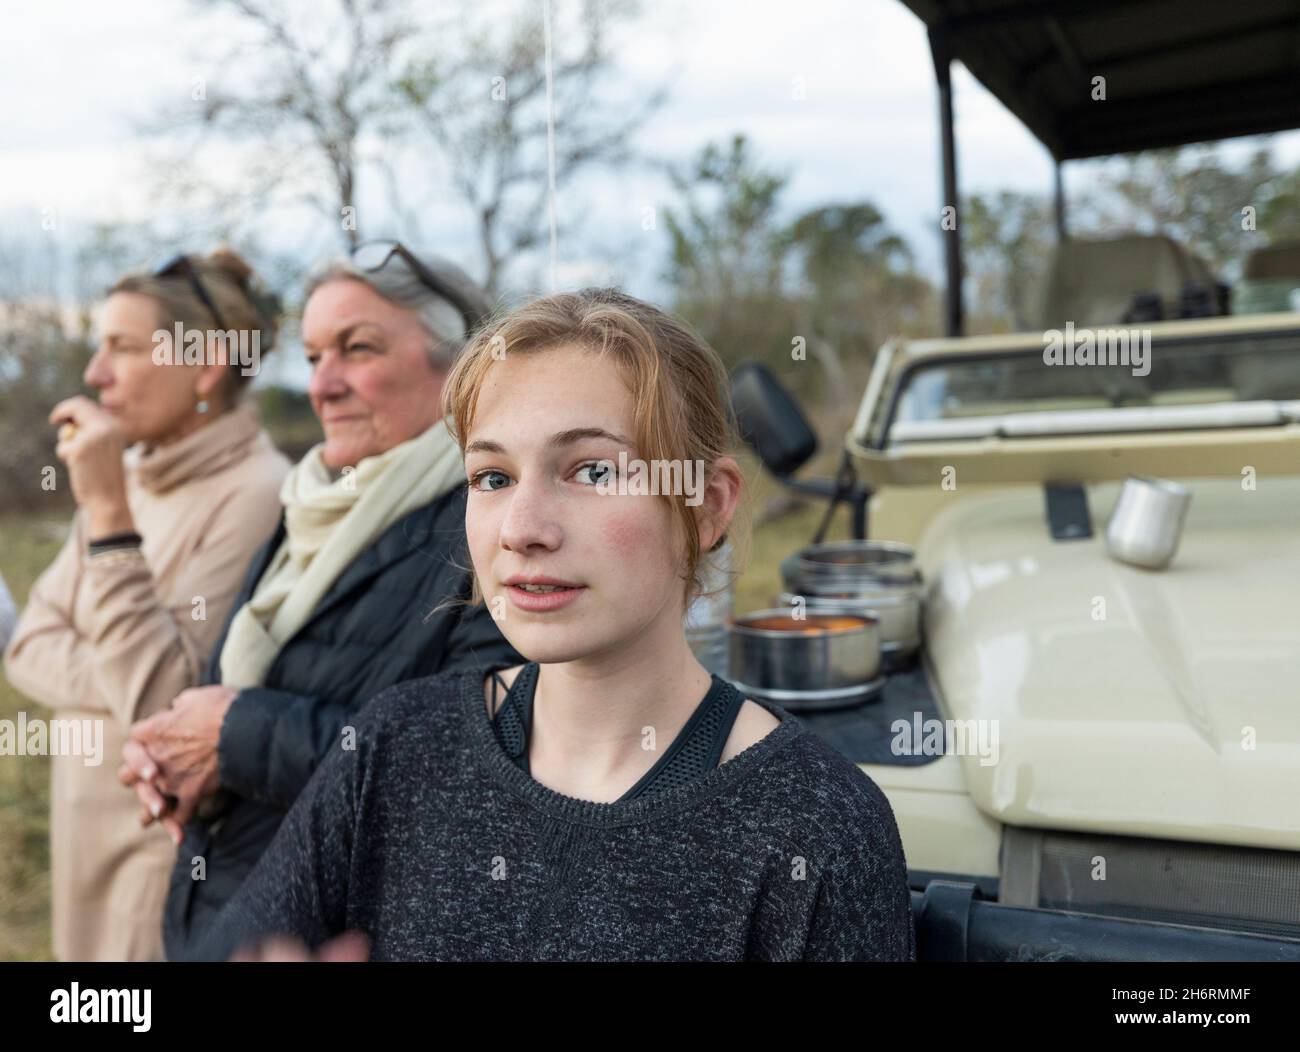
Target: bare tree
[[313, 81], [485, 110]]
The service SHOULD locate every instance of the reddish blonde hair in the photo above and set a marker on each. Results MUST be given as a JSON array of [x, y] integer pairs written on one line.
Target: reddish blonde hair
[[678, 383]]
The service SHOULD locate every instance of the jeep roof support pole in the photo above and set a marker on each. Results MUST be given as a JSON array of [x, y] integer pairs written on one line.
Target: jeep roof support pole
[[942, 56], [1060, 203]]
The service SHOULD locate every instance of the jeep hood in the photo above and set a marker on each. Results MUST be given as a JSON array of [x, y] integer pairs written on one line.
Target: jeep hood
[[1127, 701]]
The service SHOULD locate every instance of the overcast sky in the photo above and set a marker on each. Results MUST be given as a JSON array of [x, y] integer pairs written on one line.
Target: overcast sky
[[77, 73]]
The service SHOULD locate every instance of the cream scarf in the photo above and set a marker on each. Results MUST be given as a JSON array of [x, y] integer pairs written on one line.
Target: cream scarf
[[328, 523]]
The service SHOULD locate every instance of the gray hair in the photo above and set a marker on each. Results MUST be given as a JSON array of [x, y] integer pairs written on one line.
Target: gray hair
[[397, 282]]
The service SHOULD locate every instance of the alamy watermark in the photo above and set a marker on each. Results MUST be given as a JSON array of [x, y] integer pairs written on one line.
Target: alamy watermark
[[93, 1005], [931, 737], [640, 478], [24, 737], [1131, 347], [182, 346]]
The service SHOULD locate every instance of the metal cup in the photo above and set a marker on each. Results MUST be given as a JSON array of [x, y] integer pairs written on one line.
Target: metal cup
[[1148, 522]]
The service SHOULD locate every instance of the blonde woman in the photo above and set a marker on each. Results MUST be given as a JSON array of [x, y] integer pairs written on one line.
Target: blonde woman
[[176, 485], [619, 802]]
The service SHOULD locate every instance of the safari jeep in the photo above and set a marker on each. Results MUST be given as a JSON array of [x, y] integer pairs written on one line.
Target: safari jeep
[[1118, 742], [1089, 759]]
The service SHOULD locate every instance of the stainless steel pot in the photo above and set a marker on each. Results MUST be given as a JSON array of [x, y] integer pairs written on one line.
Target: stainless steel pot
[[1147, 523], [875, 578], [818, 700], [885, 561], [873, 588], [771, 650], [899, 617]]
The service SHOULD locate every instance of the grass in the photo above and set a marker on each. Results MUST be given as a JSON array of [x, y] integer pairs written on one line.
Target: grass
[[29, 544], [781, 534]]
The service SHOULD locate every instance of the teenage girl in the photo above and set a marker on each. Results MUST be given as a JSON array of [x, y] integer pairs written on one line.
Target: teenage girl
[[609, 799]]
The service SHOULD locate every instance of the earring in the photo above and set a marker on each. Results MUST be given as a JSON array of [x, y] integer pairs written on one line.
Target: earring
[[202, 406]]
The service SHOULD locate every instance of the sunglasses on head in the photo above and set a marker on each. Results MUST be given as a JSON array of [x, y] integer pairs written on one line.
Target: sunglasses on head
[[374, 255], [181, 265]]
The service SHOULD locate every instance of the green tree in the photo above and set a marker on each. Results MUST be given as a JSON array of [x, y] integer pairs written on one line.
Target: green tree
[[1007, 241], [727, 253], [1191, 195], [828, 287], [41, 362], [858, 288]]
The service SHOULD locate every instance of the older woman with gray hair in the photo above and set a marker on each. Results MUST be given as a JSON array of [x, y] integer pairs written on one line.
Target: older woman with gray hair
[[349, 595]]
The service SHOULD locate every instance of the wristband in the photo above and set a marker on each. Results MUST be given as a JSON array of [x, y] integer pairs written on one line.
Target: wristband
[[115, 542]]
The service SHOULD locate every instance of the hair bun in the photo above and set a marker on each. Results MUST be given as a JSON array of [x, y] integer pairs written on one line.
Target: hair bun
[[265, 303], [232, 264]]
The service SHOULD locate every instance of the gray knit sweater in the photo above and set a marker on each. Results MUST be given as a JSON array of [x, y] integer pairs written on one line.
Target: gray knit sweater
[[428, 838]]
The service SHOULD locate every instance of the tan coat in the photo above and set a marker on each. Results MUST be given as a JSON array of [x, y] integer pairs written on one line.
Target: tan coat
[[115, 638]]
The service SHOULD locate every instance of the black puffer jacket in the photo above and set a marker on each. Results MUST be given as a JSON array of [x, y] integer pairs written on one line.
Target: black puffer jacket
[[372, 629]]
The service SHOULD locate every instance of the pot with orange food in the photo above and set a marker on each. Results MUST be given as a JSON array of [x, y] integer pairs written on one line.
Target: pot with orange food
[[811, 661]]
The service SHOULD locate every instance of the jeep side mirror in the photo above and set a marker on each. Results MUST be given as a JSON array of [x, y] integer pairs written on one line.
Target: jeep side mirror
[[769, 420]]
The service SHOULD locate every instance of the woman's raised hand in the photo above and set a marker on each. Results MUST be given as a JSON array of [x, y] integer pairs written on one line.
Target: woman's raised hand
[[92, 448]]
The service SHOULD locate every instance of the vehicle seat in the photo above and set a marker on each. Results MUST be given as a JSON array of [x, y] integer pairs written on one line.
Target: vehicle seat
[[1268, 279], [1275, 261], [1095, 282]]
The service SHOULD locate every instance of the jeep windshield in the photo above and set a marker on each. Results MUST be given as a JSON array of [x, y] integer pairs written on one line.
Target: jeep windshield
[[1099, 386]]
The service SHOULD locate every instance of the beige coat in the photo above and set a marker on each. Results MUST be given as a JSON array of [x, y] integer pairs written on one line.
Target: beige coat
[[115, 638]]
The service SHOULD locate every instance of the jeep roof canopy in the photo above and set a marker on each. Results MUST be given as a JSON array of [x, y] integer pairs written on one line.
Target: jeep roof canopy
[[1176, 72]]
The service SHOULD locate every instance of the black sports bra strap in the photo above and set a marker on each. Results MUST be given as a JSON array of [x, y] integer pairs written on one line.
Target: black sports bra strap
[[698, 747], [510, 723], [695, 751], [733, 701]]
